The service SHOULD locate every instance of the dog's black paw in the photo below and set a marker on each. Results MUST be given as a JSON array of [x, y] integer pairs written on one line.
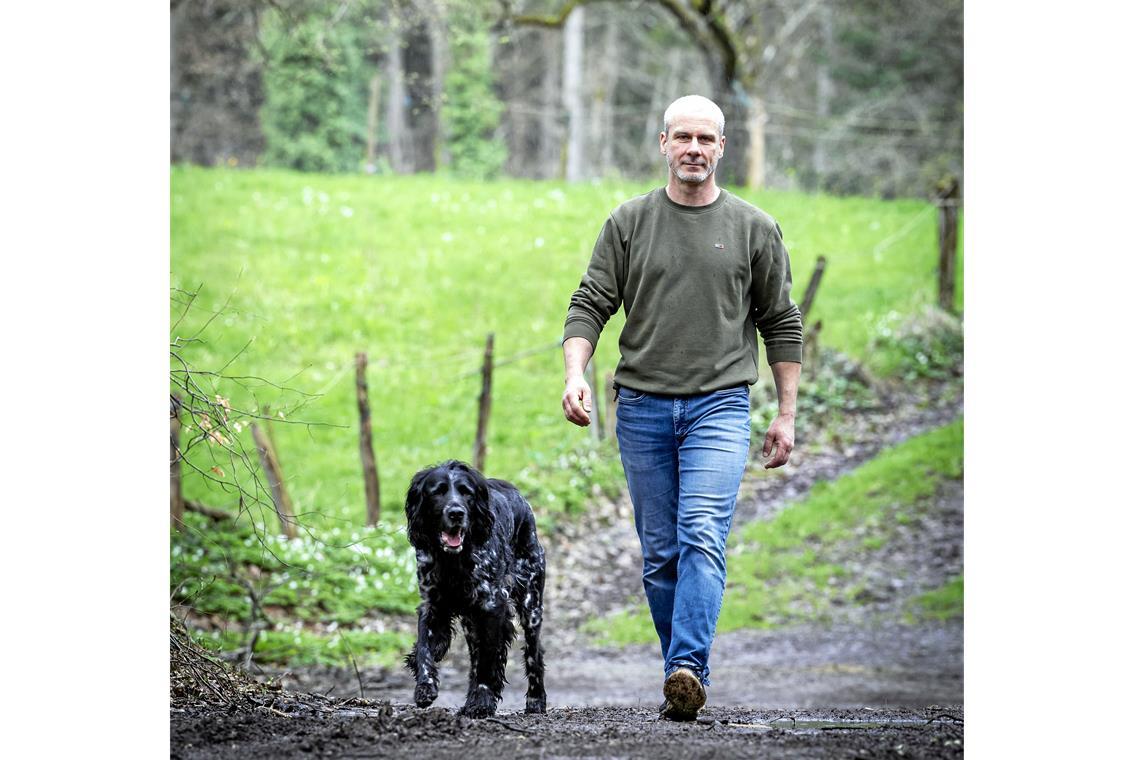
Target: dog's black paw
[[536, 704], [481, 704], [477, 711], [426, 692]]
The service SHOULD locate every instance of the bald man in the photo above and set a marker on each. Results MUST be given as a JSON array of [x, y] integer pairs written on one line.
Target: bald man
[[699, 271]]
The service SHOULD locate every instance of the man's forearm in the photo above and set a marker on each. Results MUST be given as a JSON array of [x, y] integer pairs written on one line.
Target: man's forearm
[[787, 377], [576, 352]]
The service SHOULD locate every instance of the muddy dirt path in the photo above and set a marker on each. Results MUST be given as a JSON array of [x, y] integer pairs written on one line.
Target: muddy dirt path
[[596, 732], [846, 666], [866, 685]]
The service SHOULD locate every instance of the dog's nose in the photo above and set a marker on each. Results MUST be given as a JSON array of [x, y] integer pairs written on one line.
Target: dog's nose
[[455, 514]]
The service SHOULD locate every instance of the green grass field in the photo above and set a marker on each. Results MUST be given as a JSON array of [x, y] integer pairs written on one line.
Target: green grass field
[[310, 269]]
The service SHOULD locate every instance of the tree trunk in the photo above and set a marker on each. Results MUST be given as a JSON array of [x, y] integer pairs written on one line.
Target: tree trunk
[[550, 126], [824, 92], [175, 71], [395, 106], [573, 34], [602, 130], [422, 118], [661, 99], [374, 89], [440, 54], [757, 118], [367, 457], [734, 166]]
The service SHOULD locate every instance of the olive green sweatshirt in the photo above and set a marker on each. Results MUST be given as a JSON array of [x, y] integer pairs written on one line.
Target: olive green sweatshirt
[[696, 283]]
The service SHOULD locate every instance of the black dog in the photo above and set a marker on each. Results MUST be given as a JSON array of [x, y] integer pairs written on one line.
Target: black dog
[[477, 552]]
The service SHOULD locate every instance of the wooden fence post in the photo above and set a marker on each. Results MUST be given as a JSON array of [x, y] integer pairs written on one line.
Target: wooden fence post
[[611, 407], [177, 504], [276, 480], [811, 348], [949, 202], [813, 286], [480, 454], [597, 419], [367, 457]]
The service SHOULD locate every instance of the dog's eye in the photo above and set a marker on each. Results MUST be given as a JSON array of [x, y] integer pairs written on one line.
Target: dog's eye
[[464, 489], [438, 489]]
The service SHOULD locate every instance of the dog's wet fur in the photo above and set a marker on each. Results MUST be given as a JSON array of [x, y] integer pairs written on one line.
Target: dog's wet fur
[[478, 557]]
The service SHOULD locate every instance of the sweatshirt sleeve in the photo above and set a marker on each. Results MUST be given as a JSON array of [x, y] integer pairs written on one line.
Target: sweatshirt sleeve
[[774, 313], [599, 294]]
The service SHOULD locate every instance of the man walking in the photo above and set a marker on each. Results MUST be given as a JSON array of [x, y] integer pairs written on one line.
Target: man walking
[[698, 272]]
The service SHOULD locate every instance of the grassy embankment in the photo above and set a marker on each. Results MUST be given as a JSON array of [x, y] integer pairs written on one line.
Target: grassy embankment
[[790, 569], [416, 271]]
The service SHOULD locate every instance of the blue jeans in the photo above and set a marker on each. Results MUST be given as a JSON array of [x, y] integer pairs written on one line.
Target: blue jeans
[[684, 457]]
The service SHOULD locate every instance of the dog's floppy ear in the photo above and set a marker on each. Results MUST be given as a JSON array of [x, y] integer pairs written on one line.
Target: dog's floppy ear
[[482, 516], [414, 511]]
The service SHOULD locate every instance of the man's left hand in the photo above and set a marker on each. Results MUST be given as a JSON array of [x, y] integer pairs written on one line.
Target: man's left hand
[[779, 441]]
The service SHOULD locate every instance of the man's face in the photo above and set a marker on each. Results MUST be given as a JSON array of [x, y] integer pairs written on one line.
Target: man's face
[[692, 147]]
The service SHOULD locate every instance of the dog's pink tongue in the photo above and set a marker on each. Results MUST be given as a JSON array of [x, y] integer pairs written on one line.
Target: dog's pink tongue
[[452, 541]]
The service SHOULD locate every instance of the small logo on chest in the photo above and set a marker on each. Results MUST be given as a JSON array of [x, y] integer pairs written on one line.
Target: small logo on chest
[[719, 246]]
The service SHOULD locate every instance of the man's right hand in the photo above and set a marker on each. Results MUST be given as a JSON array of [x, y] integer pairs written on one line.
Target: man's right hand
[[577, 403]]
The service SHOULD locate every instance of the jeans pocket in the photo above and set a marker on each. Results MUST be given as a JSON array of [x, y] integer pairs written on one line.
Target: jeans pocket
[[630, 396], [734, 390]]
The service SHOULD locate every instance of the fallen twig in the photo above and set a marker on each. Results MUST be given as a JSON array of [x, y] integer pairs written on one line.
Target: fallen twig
[[504, 724], [274, 710]]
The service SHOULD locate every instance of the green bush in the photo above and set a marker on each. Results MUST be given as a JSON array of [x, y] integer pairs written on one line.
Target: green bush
[[927, 346], [944, 603], [315, 107], [471, 109], [340, 578]]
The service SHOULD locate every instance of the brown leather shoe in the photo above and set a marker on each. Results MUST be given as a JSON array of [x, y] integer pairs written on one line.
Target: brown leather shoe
[[684, 695]]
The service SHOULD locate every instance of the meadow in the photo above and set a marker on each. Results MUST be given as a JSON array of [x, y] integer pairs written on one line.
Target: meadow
[[295, 273]]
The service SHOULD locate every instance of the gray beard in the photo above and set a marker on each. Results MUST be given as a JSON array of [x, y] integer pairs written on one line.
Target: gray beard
[[692, 178]]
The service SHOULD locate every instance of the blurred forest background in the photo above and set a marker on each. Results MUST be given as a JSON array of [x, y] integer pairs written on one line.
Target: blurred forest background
[[855, 97]]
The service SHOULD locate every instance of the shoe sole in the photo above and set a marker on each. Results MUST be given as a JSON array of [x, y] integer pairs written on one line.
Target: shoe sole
[[684, 694]]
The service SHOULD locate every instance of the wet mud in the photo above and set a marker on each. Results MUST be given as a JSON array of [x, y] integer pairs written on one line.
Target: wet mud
[[721, 732]]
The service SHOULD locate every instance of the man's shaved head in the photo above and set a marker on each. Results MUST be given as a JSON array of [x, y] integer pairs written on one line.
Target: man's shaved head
[[694, 105]]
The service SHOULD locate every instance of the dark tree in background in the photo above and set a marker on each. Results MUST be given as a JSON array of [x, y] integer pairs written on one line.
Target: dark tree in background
[[215, 82]]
